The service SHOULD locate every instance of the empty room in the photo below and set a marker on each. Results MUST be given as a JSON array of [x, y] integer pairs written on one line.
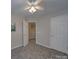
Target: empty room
[[39, 29]]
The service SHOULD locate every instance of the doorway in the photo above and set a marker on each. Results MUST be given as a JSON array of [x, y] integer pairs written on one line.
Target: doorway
[[32, 32]]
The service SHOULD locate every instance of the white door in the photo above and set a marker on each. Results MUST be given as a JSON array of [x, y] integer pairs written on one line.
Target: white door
[[25, 33]]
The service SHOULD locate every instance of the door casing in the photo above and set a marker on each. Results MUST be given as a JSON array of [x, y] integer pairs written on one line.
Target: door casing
[[26, 32]]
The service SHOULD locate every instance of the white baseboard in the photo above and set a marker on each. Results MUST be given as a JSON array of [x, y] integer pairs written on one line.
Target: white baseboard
[[42, 45], [50, 47], [15, 47]]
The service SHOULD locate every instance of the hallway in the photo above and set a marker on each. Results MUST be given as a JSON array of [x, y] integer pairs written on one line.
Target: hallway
[[34, 51]]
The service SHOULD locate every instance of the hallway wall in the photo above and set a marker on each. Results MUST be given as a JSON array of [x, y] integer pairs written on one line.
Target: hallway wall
[[16, 36], [59, 33], [43, 29]]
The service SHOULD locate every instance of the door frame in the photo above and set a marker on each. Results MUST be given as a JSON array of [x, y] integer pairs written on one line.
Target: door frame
[[25, 36], [29, 29]]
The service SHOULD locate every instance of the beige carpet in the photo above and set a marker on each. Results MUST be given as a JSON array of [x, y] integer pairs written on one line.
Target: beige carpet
[[34, 51]]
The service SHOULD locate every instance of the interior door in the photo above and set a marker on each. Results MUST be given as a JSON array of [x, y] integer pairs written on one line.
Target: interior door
[[25, 33]]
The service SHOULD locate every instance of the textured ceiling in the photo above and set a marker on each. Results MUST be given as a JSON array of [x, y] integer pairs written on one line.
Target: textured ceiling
[[50, 7]]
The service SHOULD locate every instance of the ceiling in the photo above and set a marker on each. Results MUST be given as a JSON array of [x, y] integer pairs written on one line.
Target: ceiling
[[50, 7]]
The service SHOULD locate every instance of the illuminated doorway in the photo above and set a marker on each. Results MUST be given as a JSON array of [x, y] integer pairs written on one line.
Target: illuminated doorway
[[32, 31]]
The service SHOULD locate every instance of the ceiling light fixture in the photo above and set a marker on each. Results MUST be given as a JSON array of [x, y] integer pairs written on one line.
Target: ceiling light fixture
[[32, 7]]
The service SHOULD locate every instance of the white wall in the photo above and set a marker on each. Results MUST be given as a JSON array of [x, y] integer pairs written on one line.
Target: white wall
[[59, 33], [16, 37], [43, 26]]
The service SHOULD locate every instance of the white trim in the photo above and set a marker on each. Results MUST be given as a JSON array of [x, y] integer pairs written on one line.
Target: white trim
[[16, 46], [28, 21]]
